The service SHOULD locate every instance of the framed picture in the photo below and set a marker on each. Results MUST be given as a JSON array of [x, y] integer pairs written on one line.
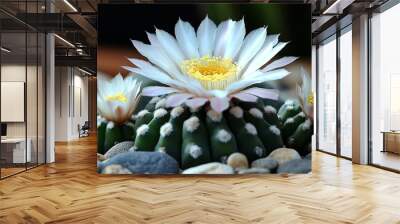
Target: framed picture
[[204, 89]]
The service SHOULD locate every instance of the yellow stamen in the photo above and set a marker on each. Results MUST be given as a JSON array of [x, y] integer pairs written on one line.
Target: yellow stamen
[[211, 72], [119, 97]]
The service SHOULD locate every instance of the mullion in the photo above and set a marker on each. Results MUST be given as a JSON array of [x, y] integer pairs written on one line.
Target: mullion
[[338, 96], [37, 91], [26, 87], [0, 95]]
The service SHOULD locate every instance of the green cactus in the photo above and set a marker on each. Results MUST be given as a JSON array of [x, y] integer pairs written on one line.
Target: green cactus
[[271, 116], [301, 137], [289, 109], [291, 124], [197, 136], [222, 141], [297, 127], [151, 106], [129, 131], [147, 135], [170, 140], [143, 117], [247, 139], [114, 134], [101, 135], [259, 104], [270, 135], [195, 144], [110, 134]]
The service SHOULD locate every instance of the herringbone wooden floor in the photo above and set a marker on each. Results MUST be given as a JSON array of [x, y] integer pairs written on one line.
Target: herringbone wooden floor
[[70, 191]]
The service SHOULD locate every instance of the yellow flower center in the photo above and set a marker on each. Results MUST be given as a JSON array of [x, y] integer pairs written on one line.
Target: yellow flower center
[[118, 97], [211, 72], [310, 98]]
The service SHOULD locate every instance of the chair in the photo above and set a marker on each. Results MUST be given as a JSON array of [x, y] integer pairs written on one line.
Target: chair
[[84, 130]]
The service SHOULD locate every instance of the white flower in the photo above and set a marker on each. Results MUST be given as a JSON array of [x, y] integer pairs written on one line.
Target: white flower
[[305, 94], [214, 64], [117, 97]]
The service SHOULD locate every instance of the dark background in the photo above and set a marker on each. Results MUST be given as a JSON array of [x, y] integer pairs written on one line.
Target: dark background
[[117, 24]]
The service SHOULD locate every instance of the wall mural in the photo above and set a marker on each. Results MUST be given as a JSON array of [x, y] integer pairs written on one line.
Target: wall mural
[[204, 89]]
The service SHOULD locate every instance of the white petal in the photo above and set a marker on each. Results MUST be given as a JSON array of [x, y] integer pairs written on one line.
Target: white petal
[[279, 63], [251, 45], [157, 90], [118, 81], [101, 107], [196, 102], [237, 40], [156, 57], [152, 72], [305, 90], [102, 81], [225, 33], [263, 56], [206, 37], [263, 93], [149, 71], [306, 86], [257, 77], [177, 99], [194, 86], [161, 57], [241, 84], [219, 104], [153, 39], [170, 46], [116, 111], [187, 40], [218, 93], [268, 76], [245, 97]]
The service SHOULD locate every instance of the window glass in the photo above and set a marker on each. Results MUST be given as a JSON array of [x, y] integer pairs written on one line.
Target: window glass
[[385, 85], [346, 94], [327, 96]]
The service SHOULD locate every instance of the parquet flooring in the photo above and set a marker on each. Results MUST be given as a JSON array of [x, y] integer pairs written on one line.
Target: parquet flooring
[[70, 191]]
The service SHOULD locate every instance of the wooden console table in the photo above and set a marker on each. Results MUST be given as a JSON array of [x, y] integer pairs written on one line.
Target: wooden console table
[[391, 141]]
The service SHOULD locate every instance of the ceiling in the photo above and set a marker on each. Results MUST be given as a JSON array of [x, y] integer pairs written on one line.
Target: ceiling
[[76, 21]]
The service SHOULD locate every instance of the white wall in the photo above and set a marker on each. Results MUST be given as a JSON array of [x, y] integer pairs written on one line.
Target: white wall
[[70, 84]]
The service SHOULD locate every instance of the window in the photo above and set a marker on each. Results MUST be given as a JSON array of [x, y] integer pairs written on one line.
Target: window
[[385, 89], [327, 96], [22, 75], [346, 93]]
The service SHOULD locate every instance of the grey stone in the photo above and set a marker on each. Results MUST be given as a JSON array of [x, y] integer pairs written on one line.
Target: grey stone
[[118, 148], [144, 162], [237, 161], [115, 169], [266, 163], [296, 166], [100, 157], [210, 168], [283, 155], [254, 171]]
